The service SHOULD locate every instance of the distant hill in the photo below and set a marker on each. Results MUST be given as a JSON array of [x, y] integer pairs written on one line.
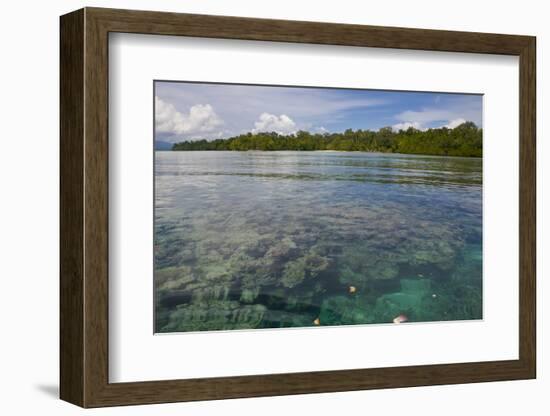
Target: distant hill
[[160, 145]]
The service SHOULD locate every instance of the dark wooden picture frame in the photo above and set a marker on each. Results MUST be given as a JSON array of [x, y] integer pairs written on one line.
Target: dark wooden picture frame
[[84, 207]]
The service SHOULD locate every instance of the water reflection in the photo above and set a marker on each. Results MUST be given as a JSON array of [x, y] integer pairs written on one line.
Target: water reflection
[[276, 239]]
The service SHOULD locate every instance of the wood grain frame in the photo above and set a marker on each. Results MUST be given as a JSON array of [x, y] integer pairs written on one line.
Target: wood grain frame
[[84, 207]]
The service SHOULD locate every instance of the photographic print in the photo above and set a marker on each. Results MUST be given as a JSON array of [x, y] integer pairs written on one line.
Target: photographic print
[[292, 207]]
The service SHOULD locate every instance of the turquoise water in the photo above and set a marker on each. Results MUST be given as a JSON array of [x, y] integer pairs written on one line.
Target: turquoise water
[[292, 239]]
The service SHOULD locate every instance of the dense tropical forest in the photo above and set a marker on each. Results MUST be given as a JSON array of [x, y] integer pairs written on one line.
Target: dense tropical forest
[[464, 140]]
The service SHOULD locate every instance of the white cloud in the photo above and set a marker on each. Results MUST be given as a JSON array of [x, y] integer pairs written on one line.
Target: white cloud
[[282, 124], [463, 108], [201, 119], [451, 124], [454, 123], [406, 125]]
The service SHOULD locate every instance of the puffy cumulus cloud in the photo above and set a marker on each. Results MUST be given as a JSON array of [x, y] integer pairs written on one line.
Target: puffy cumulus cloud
[[282, 124], [454, 123], [406, 125], [451, 124], [201, 119]]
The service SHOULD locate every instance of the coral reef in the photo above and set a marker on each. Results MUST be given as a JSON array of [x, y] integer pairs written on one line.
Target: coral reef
[[288, 250], [205, 316]]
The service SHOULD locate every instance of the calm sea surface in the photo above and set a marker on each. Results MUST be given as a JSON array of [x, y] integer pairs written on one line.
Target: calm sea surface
[[292, 239]]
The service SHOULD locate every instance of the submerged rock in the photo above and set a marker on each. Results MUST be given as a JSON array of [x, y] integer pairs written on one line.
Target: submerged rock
[[343, 310], [205, 293], [282, 249], [249, 295], [316, 263], [173, 278], [287, 319], [348, 276], [214, 315], [416, 286], [383, 271], [296, 271], [409, 301]]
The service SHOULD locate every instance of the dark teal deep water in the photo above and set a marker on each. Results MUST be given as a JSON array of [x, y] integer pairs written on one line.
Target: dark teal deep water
[[291, 239]]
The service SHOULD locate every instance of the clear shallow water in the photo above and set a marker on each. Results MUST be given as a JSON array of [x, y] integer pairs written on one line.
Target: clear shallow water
[[291, 239]]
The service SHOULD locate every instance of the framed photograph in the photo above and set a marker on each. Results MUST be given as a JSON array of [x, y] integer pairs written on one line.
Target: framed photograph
[[255, 207]]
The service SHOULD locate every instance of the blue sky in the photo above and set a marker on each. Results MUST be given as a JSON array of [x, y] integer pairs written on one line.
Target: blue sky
[[192, 111]]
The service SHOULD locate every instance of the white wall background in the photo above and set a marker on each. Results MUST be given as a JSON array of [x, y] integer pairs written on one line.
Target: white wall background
[[29, 207]]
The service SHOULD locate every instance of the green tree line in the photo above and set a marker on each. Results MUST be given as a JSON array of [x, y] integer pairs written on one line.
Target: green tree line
[[464, 140]]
